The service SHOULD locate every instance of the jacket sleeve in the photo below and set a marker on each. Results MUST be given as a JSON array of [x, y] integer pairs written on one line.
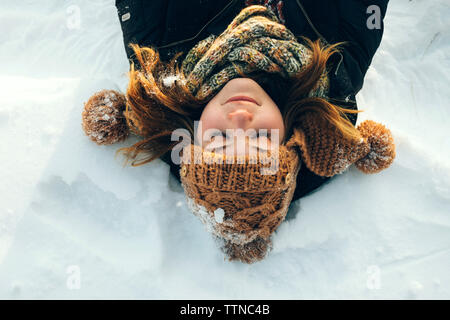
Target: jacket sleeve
[[142, 22], [361, 25], [342, 21]]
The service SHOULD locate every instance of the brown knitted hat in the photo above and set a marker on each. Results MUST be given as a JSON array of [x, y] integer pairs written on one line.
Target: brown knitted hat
[[242, 202]]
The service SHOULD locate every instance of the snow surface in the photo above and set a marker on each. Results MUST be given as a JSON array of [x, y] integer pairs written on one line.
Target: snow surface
[[69, 209]]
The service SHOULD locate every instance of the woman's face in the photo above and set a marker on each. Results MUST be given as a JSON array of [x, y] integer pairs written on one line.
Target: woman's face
[[241, 105]]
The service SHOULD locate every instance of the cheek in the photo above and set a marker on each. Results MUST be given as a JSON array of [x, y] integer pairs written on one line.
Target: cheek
[[272, 119], [211, 118]]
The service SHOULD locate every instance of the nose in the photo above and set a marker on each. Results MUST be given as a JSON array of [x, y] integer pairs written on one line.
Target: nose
[[241, 118]]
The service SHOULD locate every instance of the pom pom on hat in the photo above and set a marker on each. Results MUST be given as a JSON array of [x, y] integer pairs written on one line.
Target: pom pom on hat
[[250, 252], [103, 119], [381, 144]]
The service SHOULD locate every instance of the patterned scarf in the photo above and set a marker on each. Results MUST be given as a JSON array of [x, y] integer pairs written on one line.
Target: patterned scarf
[[276, 6], [255, 41]]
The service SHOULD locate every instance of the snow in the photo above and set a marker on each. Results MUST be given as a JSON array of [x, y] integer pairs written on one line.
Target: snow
[[213, 224], [170, 80], [219, 213], [75, 223]]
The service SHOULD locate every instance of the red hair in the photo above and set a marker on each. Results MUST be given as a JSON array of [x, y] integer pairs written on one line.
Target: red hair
[[155, 110]]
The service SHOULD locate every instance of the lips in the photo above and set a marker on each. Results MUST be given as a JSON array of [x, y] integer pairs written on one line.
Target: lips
[[242, 98]]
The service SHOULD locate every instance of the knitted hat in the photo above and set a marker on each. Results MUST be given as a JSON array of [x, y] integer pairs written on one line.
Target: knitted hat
[[241, 199], [239, 202]]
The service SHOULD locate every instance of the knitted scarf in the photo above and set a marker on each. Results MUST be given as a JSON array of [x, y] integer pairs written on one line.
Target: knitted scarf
[[255, 41]]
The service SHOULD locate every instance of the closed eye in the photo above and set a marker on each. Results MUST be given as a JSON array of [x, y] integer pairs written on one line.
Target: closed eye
[[258, 135]]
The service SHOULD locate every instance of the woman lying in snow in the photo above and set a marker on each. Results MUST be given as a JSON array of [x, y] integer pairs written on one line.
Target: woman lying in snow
[[281, 66]]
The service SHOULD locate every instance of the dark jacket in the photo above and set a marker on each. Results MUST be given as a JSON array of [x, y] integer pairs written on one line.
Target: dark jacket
[[172, 26]]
